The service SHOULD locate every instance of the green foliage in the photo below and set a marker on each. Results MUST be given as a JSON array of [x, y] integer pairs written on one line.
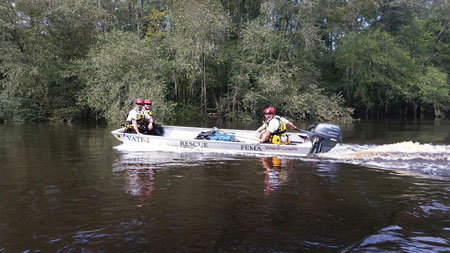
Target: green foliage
[[195, 43], [154, 25], [435, 90], [116, 72], [270, 71], [418, 38], [183, 112], [61, 59], [38, 40], [375, 68]]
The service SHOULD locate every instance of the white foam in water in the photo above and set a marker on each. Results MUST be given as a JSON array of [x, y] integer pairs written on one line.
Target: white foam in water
[[411, 147], [409, 156], [406, 156]]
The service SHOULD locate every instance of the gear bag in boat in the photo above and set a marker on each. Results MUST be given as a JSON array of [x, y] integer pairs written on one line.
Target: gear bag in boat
[[214, 135]]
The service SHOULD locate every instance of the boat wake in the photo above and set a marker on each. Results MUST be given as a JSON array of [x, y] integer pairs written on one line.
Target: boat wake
[[406, 156], [426, 159]]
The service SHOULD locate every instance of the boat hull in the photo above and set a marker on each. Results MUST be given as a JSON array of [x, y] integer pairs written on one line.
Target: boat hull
[[184, 138]]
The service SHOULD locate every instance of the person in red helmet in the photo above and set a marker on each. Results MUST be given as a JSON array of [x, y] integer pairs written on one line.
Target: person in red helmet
[[148, 110], [148, 106], [153, 128], [274, 128], [137, 119]]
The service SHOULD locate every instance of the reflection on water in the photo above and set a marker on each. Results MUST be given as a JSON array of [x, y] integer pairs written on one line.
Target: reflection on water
[[139, 175], [140, 183], [139, 168], [130, 154], [276, 173], [317, 193]]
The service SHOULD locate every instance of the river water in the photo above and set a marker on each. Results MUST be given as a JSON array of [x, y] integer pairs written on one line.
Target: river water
[[74, 188]]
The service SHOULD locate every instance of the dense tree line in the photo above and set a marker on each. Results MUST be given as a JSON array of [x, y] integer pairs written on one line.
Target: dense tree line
[[311, 59]]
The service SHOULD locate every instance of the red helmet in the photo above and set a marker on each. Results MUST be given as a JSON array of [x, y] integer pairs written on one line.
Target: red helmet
[[139, 101], [270, 110], [148, 101]]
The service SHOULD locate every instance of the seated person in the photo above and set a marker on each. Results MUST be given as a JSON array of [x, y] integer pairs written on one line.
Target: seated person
[[138, 119], [153, 128], [274, 128]]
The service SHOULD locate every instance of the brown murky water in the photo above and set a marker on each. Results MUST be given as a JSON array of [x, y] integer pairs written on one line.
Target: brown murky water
[[71, 189]]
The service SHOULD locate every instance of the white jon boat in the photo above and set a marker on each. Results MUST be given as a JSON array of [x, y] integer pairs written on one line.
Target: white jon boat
[[321, 138]]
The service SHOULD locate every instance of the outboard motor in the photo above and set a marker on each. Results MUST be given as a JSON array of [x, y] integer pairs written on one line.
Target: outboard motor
[[324, 137]]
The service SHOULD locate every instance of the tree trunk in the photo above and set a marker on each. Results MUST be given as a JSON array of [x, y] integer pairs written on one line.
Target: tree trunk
[[216, 102], [406, 110], [138, 23], [386, 107], [241, 18], [175, 88], [349, 95], [141, 19], [422, 113], [415, 110], [439, 36], [437, 111], [234, 101], [354, 22], [204, 84]]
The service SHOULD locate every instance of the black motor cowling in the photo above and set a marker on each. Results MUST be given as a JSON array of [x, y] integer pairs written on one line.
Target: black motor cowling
[[324, 137]]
